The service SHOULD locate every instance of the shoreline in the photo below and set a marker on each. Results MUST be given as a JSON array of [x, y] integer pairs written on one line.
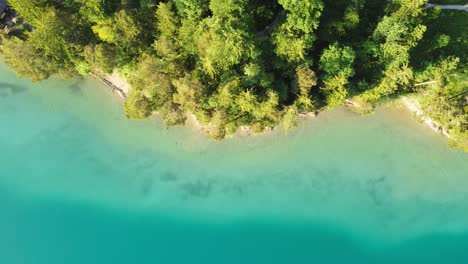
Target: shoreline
[[115, 82], [120, 86], [413, 106]]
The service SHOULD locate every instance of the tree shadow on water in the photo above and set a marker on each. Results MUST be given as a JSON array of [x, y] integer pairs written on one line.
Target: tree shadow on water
[[8, 89], [75, 88]]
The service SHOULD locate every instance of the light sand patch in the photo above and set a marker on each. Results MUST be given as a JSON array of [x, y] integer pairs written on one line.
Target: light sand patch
[[116, 79], [414, 106]]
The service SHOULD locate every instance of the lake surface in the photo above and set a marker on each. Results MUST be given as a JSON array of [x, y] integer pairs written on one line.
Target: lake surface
[[80, 184]]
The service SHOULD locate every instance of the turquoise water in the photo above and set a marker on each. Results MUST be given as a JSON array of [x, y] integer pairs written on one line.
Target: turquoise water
[[80, 184]]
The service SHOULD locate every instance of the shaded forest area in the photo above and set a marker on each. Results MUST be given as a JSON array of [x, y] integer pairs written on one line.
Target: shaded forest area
[[253, 63]]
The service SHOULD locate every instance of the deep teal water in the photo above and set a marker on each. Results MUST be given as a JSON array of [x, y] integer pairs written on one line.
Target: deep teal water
[[80, 184]]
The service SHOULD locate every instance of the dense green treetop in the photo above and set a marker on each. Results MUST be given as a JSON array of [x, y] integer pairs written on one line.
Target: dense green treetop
[[253, 63]]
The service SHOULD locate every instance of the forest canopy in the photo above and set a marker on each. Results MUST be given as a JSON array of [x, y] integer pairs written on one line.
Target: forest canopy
[[253, 63]]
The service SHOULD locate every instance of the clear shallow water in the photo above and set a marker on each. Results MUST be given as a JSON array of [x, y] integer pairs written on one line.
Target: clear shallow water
[[80, 184]]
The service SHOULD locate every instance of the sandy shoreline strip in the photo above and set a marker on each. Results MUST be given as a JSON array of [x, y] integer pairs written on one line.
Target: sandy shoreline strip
[[414, 107], [115, 82], [122, 87]]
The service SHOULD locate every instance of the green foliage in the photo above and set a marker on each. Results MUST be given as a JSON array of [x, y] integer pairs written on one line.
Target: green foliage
[[147, 3], [94, 10], [26, 60], [340, 18], [445, 101], [290, 118], [30, 10], [252, 63], [188, 93], [152, 81], [306, 79], [292, 46], [446, 36], [336, 64], [335, 90], [101, 57], [229, 10], [303, 15], [172, 115], [391, 43], [126, 28], [337, 60], [168, 22], [137, 106], [192, 9], [217, 129], [221, 46], [294, 38]]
